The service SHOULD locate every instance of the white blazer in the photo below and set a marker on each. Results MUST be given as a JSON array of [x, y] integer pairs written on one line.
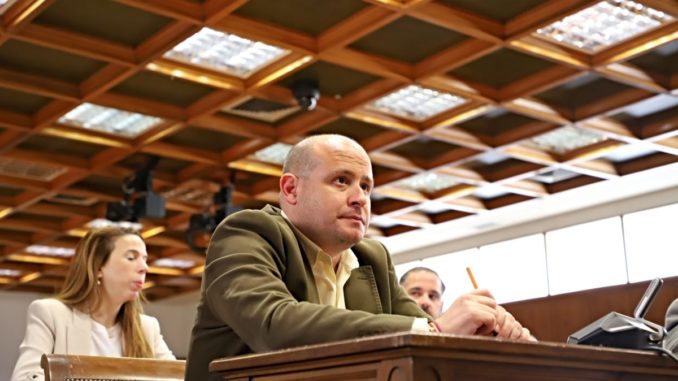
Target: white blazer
[[53, 327]]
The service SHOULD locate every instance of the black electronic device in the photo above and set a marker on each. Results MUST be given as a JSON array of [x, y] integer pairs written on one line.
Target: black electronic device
[[621, 331]]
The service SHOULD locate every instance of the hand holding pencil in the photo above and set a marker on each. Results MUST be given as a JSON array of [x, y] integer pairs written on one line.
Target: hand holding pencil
[[477, 313], [507, 326]]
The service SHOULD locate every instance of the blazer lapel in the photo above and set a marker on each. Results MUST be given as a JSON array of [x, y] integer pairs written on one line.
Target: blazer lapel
[[361, 292], [79, 333]]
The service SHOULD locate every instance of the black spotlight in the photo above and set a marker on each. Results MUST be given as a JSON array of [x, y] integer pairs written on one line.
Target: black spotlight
[[139, 200], [202, 225], [119, 211]]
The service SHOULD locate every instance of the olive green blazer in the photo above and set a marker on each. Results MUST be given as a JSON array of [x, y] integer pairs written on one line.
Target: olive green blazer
[[258, 293]]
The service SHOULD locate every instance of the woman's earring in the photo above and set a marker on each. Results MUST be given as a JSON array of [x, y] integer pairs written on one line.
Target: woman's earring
[[98, 281]]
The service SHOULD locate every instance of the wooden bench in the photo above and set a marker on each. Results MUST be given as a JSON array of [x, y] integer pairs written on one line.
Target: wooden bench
[[76, 368]]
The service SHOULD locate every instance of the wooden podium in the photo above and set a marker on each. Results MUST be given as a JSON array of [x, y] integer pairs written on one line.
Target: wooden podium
[[410, 356]]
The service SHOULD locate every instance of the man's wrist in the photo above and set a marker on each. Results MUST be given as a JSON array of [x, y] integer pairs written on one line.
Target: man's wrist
[[434, 327]]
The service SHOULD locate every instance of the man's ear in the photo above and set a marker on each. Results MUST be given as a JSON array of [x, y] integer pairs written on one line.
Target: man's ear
[[289, 184]]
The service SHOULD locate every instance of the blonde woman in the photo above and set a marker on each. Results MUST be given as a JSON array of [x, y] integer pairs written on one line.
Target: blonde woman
[[98, 311]]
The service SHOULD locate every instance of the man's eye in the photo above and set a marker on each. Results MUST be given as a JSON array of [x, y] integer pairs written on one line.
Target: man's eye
[[341, 180], [366, 187]]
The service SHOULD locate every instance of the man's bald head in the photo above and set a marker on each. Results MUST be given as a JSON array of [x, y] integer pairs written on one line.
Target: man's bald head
[[325, 191], [302, 158]]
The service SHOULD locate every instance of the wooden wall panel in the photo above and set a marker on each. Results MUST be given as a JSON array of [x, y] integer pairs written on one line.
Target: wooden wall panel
[[555, 318]]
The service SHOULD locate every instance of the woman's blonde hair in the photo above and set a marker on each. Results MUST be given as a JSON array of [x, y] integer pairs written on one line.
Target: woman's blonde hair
[[81, 290]]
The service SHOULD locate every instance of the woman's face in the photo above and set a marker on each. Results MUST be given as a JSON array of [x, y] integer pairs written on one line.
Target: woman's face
[[124, 273]]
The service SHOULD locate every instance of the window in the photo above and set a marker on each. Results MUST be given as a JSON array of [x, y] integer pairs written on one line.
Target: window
[[651, 238], [586, 256], [513, 270]]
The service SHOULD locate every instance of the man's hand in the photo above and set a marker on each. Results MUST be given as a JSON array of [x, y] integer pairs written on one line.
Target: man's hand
[[477, 313], [508, 327], [470, 314]]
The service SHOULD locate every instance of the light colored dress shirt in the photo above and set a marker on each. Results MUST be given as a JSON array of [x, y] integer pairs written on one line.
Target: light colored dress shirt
[[106, 342], [330, 284]]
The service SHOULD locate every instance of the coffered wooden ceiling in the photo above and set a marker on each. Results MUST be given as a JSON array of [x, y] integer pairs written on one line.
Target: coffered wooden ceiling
[[532, 117]]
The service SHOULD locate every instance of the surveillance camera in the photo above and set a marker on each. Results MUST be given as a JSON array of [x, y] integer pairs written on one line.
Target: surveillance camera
[[307, 93]]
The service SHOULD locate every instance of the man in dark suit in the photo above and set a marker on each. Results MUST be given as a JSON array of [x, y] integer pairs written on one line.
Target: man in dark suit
[[426, 288], [304, 275]]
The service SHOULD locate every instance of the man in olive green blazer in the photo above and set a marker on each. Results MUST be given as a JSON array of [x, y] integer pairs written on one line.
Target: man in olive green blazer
[[305, 274]]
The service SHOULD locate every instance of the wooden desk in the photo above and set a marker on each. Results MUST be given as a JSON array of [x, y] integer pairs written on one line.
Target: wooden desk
[[409, 356]]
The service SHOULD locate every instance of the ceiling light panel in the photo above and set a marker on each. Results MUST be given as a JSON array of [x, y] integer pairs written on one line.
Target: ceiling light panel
[[5, 4], [10, 273], [174, 263], [29, 170], [275, 153], [100, 223], [416, 103], [225, 52], [52, 251], [566, 139], [555, 176], [109, 120], [490, 191], [604, 24], [428, 182]]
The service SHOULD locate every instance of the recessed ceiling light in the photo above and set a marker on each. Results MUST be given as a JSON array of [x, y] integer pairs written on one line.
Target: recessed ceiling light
[[29, 170], [104, 223], [52, 251], [416, 103], [554, 176], [5, 4], [604, 24], [225, 52], [490, 191], [10, 273], [428, 182], [174, 263], [110, 120], [275, 153], [566, 139]]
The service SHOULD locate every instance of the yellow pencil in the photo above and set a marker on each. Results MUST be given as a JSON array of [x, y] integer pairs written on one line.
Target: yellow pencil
[[470, 276]]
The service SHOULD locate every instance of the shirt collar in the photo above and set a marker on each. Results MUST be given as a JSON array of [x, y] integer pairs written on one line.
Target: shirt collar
[[347, 258]]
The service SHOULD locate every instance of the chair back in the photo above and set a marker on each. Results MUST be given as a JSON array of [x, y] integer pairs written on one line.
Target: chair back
[[95, 368]]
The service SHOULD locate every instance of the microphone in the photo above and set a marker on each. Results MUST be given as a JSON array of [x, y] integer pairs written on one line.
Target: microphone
[[647, 299]]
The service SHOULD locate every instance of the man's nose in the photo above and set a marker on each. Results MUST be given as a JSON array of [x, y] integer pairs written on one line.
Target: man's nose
[[358, 196]]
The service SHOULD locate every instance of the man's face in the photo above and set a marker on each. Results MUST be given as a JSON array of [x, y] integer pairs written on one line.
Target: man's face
[[425, 288], [333, 200]]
